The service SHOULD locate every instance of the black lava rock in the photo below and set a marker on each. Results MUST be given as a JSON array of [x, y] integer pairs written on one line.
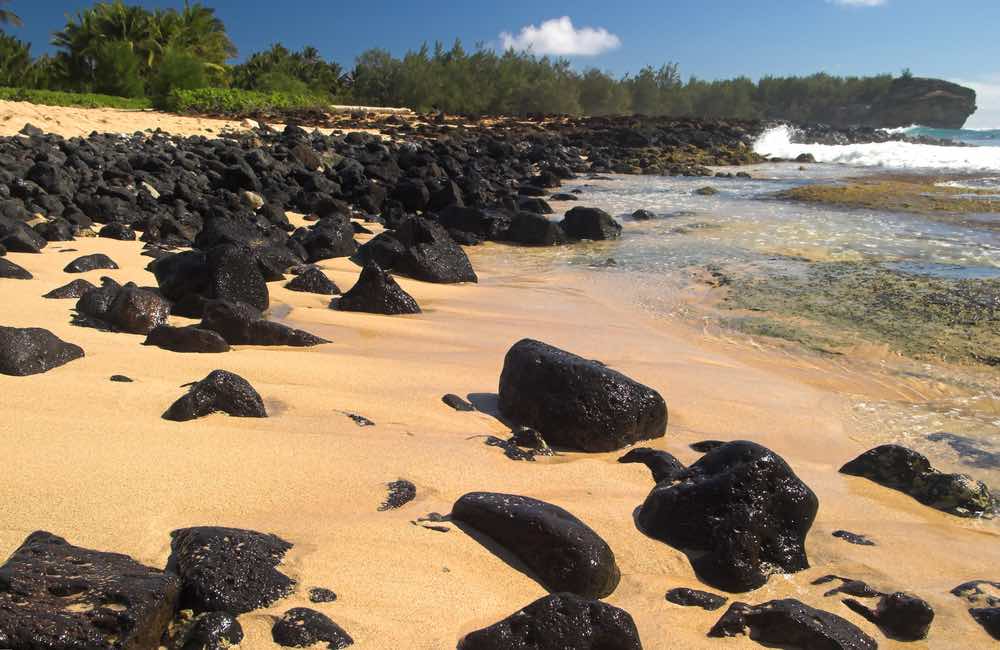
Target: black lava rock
[[313, 281], [559, 622], [301, 627], [989, 618], [186, 339], [903, 469], [90, 263], [421, 249], [695, 598], [590, 223], [119, 231], [220, 391], [137, 311], [575, 402], [56, 230], [791, 623], [228, 569], [664, 466], [17, 237], [121, 379], [401, 492], [457, 403], [565, 553], [74, 289], [900, 616], [985, 606], [531, 229], [32, 350], [853, 538], [376, 292], [225, 272], [329, 237], [741, 510], [643, 215], [57, 596], [241, 324], [209, 631], [11, 271], [321, 595]]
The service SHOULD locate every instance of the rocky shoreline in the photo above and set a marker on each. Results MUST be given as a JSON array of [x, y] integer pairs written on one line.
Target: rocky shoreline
[[223, 220]]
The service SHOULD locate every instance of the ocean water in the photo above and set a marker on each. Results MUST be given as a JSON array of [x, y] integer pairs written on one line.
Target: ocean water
[[976, 137]]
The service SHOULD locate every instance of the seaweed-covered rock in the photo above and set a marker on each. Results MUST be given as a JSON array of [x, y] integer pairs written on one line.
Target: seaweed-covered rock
[[575, 402], [313, 281], [565, 553], [186, 339], [590, 223], [559, 622], [791, 623], [92, 262], [74, 289], [228, 569], [740, 510], [241, 324], [220, 391], [57, 596], [910, 472], [11, 271], [376, 292], [301, 627], [664, 466], [32, 350], [208, 631], [900, 616], [696, 598]]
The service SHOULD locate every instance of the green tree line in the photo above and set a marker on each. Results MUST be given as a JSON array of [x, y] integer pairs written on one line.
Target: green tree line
[[126, 50]]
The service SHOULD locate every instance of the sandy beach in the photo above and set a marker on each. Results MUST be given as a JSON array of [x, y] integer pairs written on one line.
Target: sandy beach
[[91, 460]]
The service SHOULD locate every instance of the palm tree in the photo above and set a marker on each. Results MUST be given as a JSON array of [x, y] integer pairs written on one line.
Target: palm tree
[[9, 17]]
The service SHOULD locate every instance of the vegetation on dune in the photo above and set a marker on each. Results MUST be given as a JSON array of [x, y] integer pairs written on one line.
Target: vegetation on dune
[[231, 101], [83, 100]]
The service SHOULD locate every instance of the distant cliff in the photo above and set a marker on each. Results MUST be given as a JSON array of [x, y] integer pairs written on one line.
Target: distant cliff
[[913, 100]]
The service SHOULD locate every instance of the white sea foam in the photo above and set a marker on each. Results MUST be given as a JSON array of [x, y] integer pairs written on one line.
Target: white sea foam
[[777, 142]]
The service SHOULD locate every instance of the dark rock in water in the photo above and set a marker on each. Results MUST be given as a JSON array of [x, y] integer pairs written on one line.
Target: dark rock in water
[[847, 586], [706, 446], [665, 467], [559, 622], [530, 438], [534, 204], [122, 379], [457, 403], [321, 595], [575, 402], [301, 627], [74, 289], [186, 339], [17, 237], [564, 197], [740, 510], [903, 469], [805, 158], [360, 420], [208, 631], [57, 596], [984, 595], [90, 263], [564, 553], [401, 492], [377, 292], [791, 623], [643, 215], [706, 191], [137, 311], [228, 569], [900, 616], [969, 450], [530, 229], [313, 281], [853, 538], [119, 231], [11, 271], [241, 324], [32, 350], [510, 448], [590, 223], [220, 391], [695, 598]]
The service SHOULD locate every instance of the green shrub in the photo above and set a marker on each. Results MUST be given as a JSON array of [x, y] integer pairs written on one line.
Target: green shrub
[[117, 71], [230, 101], [281, 82], [178, 70], [83, 100]]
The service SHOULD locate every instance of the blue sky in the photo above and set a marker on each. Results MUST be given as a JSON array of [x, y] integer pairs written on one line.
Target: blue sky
[[721, 38]]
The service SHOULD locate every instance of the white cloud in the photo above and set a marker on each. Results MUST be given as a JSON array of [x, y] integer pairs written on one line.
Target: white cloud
[[987, 115], [859, 3], [559, 37]]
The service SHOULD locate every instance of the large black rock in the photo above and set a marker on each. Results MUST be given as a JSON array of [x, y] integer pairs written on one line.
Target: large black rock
[[313, 281], [225, 272], [301, 627], [186, 339], [228, 569], [590, 223], [32, 350], [376, 292], [740, 511], [789, 623], [137, 311], [421, 249], [11, 271], [56, 596], [329, 237], [90, 263], [664, 466], [900, 616], [74, 289], [559, 622], [17, 237], [220, 391], [565, 553], [241, 324], [575, 402], [903, 469], [530, 229]]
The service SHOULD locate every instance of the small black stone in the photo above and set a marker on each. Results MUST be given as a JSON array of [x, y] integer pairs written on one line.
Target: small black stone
[[695, 598], [209, 631], [301, 627], [853, 538], [457, 403], [321, 595], [900, 616], [121, 379], [360, 420], [90, 263], [401, 492]]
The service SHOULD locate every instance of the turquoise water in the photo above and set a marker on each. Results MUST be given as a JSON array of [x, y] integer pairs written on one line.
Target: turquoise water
[[978, 137]]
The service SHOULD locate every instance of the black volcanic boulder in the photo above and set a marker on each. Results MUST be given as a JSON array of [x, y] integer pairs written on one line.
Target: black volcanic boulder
[[643, 215], [301, 627], [492, 224], [577, 403], [235, 275], [900, 616], [903, 469], [207, 631], [421, 249], [220, 391], [531, 229], [228, 569], [137, 311], [117, 230], [90, 263], [376, 292], [789, 623], [241, 324], [74, 289], [225, 272], [32, 350], [984, 596], [94, 305], [11, 271], [17, 237], [329, 237], [559, 622], [57, 596], [313, 281], [695, 598], [56, 230], [590, 223], [664, 466], [565, 553], [741, 513], [412, 193], [186, 339]]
